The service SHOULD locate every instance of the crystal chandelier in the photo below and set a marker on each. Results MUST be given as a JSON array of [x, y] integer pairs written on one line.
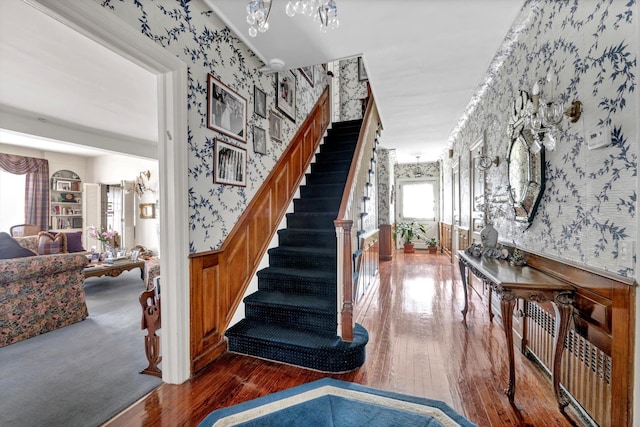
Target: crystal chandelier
[[324, 12], [257, 16]]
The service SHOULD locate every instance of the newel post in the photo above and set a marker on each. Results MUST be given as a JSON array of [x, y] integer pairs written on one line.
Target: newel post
[[345, 278]]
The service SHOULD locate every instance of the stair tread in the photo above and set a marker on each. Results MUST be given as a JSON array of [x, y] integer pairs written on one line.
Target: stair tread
[[298, 272], [304, 302], [294, 336], [305, 250]]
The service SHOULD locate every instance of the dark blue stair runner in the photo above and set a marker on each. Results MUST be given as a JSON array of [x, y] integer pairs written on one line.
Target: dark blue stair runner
[[292, 317]]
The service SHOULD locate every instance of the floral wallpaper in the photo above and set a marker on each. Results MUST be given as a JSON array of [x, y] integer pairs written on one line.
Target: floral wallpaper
[[588, 209], [352, 90], [198, 37], [386, 202]]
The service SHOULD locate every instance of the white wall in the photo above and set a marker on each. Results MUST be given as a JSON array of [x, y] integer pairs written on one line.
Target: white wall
[[112, 169]]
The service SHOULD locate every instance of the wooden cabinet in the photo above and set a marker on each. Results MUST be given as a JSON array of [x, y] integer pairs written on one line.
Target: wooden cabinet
[[65, 201]]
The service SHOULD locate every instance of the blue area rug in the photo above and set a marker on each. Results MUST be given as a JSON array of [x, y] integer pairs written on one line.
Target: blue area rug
[[334, 403]]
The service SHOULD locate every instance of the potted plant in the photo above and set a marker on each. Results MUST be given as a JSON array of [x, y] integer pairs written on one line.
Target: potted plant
[[408, 231], [432, 245]]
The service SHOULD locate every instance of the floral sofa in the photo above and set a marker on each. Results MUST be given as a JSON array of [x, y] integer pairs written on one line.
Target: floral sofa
[[40, 293]]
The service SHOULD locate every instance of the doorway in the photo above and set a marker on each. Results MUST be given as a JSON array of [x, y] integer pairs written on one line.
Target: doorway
[[418, 200], [91, 20]]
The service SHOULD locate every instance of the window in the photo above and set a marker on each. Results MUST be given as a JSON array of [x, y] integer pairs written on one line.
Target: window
[[418, 200], [12, 196]]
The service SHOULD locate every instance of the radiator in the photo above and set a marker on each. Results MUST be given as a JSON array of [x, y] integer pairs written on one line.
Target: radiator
[[586, 370]]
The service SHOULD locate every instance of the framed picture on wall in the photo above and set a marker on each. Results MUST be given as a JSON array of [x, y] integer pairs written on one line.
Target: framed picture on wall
[[259, 140], [275, 126], [286, 93], [147, 210], [226, 110], [309, 74], [230, 165], [260, 102], [362, 72]]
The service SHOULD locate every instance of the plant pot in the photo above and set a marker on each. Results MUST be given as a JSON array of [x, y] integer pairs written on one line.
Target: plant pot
[[432, 249], [409, 248]]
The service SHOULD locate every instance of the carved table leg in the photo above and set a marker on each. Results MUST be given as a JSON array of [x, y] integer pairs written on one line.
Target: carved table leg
[[463, 275], [490, 301], [562, 304], [507, 303]]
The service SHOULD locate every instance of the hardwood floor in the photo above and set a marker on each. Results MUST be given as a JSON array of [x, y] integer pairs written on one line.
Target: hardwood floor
[[418, 345]]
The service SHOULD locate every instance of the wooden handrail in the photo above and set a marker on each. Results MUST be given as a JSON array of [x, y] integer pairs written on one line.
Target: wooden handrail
[[344, 223], [219, 278]]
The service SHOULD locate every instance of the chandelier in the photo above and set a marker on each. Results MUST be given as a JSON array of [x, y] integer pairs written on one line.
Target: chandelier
[[324, 12]]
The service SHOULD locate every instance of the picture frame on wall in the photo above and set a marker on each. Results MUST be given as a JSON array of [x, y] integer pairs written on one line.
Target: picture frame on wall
[[275, 126], [286, 94], [260, 102], [226, 110], [362, 71], [230, 165], [309, 74], [259, 140], [147, 210]]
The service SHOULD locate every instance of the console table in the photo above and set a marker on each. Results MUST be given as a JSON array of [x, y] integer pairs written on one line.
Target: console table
[[512, 282], [112, 270]]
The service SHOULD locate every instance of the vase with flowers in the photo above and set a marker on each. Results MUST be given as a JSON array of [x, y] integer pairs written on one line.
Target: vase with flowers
[[103, 236]]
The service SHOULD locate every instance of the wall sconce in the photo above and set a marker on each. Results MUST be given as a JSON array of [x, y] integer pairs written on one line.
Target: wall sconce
[[140, 185], [544, 114], [484, 162]]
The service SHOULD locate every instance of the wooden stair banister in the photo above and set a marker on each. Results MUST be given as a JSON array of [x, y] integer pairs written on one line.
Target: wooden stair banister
[[345, 219], [219, 278]]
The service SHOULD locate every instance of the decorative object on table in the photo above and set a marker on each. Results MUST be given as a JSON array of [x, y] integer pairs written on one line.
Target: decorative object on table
[[432, 245], [474, 250], [259, 140], [275, 126], [337, 403], [230, 164], [286, 93], [147, 210], [408, 232], [517, 258], [226, 110], [259, 102], [103, 236]]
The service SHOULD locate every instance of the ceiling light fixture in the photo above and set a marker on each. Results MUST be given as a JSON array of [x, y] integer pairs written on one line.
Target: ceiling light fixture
[[257, 16], [324, 12], [417, 170]]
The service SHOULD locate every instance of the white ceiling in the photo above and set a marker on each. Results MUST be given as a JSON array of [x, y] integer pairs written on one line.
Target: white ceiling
[[52, 79], [424, 60]]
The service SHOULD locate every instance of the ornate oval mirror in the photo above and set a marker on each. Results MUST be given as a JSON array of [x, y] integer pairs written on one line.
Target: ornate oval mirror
[[526, 169]]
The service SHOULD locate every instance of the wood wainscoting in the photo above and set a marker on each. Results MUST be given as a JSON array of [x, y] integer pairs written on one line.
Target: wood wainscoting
[[598, 359], [219, 278], [446, 238]]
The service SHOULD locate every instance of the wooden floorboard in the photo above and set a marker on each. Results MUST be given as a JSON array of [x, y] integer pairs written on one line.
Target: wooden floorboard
[[418, 345]]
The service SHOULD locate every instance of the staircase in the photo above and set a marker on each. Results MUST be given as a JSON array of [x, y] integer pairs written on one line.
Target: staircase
[[292, 318]]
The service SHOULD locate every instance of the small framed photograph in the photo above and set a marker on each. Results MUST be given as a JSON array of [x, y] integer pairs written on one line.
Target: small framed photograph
[[63, 185], [226, 110], [230, 164], [362, 72], [275, 126], [309, 74], [259, 140], [286, 94], [135, 254], [147, 210], [260, 102]]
